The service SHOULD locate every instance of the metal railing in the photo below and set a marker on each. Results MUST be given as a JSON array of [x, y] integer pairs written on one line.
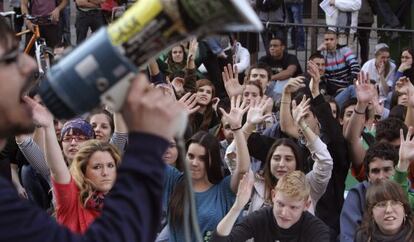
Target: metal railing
[[396, 39]]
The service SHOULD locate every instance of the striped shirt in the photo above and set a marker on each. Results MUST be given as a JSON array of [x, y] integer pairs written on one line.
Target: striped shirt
[[342, 68]]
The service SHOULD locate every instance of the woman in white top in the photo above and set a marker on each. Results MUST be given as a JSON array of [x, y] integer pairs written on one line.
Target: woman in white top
[[381, 70]]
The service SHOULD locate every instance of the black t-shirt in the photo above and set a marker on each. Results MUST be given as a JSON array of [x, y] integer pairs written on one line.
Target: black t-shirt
[[282, 64], [262, 226]]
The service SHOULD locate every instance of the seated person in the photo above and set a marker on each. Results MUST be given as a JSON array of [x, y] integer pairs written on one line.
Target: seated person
[[380, 161], [342, 66], [282, 64], [385, 200], [286, 220]]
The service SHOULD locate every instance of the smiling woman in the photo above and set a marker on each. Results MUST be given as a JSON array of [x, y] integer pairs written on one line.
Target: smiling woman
[[388, 216], [206, 117]]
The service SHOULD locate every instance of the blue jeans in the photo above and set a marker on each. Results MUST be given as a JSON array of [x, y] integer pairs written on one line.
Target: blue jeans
[[345, 95], [295, 15], [37, 187]]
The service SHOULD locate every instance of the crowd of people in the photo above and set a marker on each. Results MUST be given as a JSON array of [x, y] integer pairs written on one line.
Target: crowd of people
[[275, 151]]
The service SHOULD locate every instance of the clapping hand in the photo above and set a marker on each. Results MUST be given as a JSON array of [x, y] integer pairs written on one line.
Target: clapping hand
[[294, 84], [238, 109]]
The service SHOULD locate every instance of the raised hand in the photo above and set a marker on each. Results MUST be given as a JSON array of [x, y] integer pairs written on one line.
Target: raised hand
[[178, 84], [193, 47], [255, 115], [313, 71], [364, 89], [245, 190], [294, 84], [377, 104], [148, 110], [231, 81], [41, 116], [189, 101], [238, 109], [215, 101], [404, 85], [300, 111], [406, 152]]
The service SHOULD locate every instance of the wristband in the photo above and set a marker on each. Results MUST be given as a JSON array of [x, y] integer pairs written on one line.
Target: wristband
[[236, 128], [357, 112]]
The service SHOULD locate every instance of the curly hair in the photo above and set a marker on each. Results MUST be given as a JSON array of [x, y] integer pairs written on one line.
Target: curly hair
[[380, 150], [388, 130], [78, 167]]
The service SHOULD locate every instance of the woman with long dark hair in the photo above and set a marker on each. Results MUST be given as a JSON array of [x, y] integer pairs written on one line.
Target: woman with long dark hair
[[406, 65], [214, 193], [284, 156], [206, 117]]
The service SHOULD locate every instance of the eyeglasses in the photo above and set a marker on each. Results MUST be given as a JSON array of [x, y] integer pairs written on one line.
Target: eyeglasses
[[10, 57], [384, 204], [79, 138]]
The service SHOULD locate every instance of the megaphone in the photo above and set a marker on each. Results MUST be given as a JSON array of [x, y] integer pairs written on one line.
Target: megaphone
[[99, 70]]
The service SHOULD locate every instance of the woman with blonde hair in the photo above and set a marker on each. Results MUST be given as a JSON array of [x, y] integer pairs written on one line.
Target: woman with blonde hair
[[79, 189], [85, 173]]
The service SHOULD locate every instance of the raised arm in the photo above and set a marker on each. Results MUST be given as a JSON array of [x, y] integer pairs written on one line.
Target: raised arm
[[231, 81], [364, 91], [190, 70], [287, 124], [406, 155], [54, 157], [322, 168], [34, 155], [136, 196], [238, 109], [243, 196], [404, 85]]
